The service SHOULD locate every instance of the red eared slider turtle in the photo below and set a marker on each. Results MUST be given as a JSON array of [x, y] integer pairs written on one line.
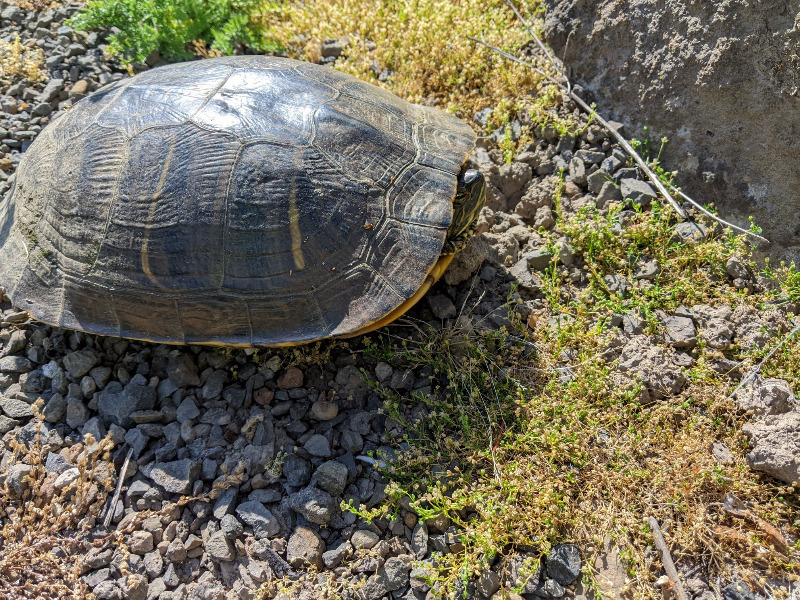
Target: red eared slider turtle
[[236, 201]]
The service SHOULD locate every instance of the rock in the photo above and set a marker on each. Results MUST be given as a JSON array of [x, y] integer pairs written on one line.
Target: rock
[[256, 515], [522, 572], [212, 388], [314, 504], [715, 325], [187, 410], [331, 476], [17, 478], [107, 590], [133, 586], [231, 527], [176, 551], [334, 557], [776, 446], [116, 403], [650, 364], [15, 364], [296, 470], [608, 193], [324, 411], [442, 307], [738, 269], [722, 453], [637, 191], [651, 79], [648, 271], [219, 547], [738, 590], [538, 260], [512, 177], [77, 413], [383, 371], [140, 542], [318, 445], [468, 261], [680, 332], [81, 362], [488, 583], [419, 540], [176, 477], [690, 233], [364, 539], [291, 379], [564, 563], [305, 548], [16, 409], [764, 396], [182, 370], [549, 588]]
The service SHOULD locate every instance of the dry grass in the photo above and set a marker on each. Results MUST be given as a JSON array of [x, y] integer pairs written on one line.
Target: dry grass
[[17, 60], [37, 5], [422, 45], [45, 531]]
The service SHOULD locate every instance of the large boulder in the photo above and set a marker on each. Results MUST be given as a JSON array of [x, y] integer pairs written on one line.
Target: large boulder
[[719, 79]]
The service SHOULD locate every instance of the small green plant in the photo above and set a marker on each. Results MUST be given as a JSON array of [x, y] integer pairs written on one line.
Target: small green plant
[[213, 27]]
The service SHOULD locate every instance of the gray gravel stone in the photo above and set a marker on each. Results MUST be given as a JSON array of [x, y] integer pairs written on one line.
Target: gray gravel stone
[[331, 476], [442, 307], [219, 547], [637, 191], [15, 364], [81, 362], [116, 403], [690, 233], [564, 563], [256, 515], [680, 332], [776, 446], [318, 445], [364, 539], [16, 409], [314, 504], [176, 477], [231, 527], [297, 470], [764, 396], [304, 548]]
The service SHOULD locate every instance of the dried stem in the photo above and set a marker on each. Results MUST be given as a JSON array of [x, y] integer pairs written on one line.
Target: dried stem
[[666, 558], [115, 499]]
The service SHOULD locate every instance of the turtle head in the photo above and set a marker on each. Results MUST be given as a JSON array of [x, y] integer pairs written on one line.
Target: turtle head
[[470, 196]]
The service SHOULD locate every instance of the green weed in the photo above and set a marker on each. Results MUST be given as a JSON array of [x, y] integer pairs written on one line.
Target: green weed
[[215, 27]]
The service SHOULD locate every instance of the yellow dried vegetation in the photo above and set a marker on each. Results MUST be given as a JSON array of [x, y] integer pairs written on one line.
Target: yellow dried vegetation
[[18, 60], [423, 47]]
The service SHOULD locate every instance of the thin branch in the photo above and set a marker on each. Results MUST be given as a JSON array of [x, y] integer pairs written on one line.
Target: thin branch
[[115, 499], [518, 60], [666, 558], [539, 42], [755, 370], [632, 153], [707, 212], [567, 88]]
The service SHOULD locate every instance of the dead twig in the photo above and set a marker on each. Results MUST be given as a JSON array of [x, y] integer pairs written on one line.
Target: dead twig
[[115, 498], [567, 89], [755, 370], [707, 212], [666, 558]]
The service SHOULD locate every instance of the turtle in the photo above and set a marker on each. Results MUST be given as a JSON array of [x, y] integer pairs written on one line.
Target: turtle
[[237, 201]]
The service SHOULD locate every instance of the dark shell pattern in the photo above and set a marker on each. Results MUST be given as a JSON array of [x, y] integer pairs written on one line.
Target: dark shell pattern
[[238, 201]]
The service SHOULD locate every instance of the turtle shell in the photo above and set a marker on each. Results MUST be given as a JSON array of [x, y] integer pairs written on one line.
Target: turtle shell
[[237, 201]]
